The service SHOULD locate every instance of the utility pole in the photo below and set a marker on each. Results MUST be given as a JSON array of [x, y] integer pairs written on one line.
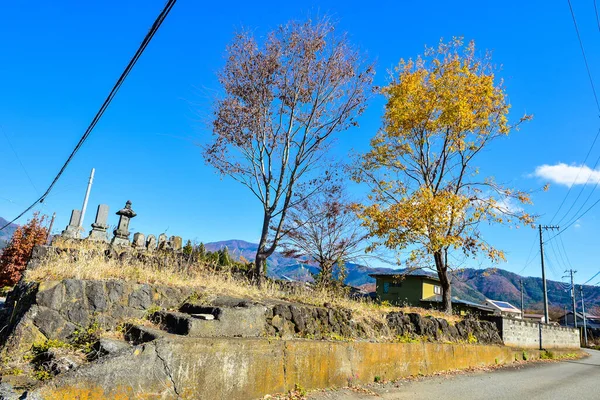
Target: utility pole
[[85, 199], [571, 272], [583, 312], [542, 228], [522, 298]]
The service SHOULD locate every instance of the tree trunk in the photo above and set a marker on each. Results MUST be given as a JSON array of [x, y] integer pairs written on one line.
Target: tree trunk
[[260, 261], [442, 270]]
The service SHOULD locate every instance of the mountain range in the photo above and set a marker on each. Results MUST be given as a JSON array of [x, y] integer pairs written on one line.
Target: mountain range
[[6, 233], [467, 284]]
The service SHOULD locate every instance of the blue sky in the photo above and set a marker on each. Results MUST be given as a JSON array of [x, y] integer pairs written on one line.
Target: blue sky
[[58, 61]]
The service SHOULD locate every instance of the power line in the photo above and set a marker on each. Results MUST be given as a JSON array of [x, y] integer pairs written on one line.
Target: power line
[[584, 185], [575, 220], [575, 216], [587, 67], [595, 275], [528, 260], [153, 29], [597, 18], [575, 180], [589, 73], [562, 258], [565, 251], [18, 159]]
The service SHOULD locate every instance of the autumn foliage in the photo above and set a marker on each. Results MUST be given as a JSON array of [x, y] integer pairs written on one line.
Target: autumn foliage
[[443, 110], [15, 256]]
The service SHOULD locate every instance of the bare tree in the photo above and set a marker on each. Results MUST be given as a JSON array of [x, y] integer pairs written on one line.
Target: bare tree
[[283, 100], [324, 229]]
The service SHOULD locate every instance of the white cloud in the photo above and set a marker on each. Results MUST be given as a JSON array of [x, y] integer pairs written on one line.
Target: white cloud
[[568, 175], [508, 205]]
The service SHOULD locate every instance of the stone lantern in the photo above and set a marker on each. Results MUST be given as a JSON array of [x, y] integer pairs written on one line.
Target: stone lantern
[[121, 237]]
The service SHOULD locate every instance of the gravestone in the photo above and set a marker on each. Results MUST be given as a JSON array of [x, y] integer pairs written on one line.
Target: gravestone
[[100, 225], [121, 237], [72, 230], [162, 242], [151, 243], [176, 243], [139, 240]]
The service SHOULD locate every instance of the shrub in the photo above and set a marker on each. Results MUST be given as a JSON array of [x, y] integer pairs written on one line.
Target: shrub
[[406, 338], [471, 339], [188, 249], [38, 349], [86, 337], [15, 256]]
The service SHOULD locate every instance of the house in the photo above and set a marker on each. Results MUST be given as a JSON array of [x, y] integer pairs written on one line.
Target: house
[[420, 290], [591, 321], [503, 308]]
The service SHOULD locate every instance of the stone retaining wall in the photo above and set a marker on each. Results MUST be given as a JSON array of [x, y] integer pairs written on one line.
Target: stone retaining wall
[[35, 312]]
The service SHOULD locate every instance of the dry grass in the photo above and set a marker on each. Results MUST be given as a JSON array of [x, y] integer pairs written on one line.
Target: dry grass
[[86, 260]]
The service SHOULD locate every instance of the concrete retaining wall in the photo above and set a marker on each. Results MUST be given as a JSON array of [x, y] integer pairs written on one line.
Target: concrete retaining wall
[[240, 369], [533, 335]]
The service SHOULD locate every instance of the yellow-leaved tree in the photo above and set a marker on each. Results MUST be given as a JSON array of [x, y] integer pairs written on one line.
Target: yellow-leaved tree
[[426, 197]]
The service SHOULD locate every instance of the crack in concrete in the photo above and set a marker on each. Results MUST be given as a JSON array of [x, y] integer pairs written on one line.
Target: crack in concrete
[[167, 369], [285, 351]]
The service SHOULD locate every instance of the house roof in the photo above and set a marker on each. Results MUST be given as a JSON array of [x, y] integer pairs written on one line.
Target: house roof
[[580, 315], [533, 315], [503, 306], [402, 275], [438, 299]]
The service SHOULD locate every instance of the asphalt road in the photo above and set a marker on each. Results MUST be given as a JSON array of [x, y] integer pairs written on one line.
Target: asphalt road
[[570, 379]]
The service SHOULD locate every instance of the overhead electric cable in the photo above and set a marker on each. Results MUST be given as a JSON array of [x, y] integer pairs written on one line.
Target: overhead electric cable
[[587, 67], [575, 180], [595, 275], [562, 244], [575, 220], [19, 159], [556, 250], [581, 191], [153, 29], [528, 260], [597, 18]]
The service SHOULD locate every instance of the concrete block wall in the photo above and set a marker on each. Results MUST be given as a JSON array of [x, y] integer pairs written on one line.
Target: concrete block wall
[[250, 368], [533, 335]]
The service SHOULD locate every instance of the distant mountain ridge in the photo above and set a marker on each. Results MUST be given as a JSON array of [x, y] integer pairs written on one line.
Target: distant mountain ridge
[[468, 284], [6, 233]]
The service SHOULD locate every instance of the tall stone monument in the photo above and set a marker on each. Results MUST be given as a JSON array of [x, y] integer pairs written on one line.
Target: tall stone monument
[[100, 225], [121, 237], [72, 230]]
